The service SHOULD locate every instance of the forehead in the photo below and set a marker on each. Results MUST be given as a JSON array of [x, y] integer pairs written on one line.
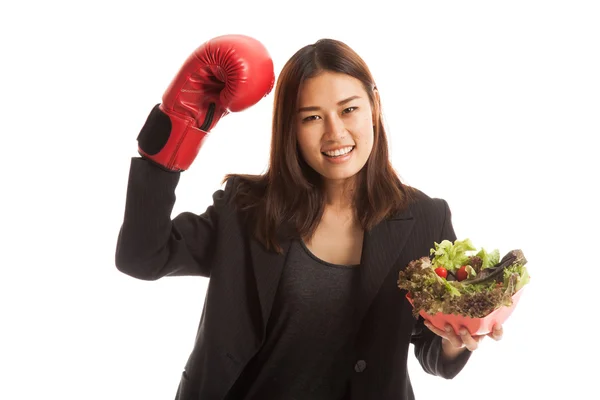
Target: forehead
[[329, 87]]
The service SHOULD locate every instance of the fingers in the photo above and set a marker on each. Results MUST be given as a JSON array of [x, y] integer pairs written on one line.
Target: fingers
[[472, 342], [455, 339], [469, 341], [496, 332], [447, 334], [464, 338], [435, 330]]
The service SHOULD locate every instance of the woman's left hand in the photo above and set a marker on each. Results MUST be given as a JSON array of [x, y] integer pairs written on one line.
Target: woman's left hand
[[464, 338]]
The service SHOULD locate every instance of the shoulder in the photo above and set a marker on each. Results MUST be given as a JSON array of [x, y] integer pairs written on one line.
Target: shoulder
[[427, 208], [244, 192], [243, 183]]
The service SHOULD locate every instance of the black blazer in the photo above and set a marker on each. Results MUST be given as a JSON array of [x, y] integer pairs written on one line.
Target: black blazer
[[244, 278]]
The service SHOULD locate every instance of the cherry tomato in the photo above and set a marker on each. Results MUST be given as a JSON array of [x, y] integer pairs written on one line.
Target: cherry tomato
[[462, 273], [441, 271]]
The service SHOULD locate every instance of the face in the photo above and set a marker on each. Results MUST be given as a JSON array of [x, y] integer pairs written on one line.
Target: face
[[335, 125]]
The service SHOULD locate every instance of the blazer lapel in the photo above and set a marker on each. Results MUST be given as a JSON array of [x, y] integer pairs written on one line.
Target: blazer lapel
[[381, 249], [267, 271]]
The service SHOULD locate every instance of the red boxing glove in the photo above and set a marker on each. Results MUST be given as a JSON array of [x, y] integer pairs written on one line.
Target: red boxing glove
[[226, 74]]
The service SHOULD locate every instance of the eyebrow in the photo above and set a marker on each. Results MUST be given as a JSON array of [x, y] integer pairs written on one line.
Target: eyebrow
[[315, 108]]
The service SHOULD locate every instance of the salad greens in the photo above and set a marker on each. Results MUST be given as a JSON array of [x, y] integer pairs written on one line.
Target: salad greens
[[459, 279], [454, 255]]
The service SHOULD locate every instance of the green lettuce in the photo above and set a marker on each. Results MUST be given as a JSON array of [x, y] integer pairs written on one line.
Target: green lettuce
[[488, 259], [520, 274], [451, 255]]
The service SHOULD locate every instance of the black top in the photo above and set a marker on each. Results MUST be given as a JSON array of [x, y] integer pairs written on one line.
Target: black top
[[310, 326]]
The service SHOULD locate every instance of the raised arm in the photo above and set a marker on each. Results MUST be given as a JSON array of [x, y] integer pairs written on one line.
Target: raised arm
[[229, 73]]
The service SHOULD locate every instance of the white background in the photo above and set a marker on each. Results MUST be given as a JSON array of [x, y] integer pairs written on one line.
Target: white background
[[493, 106]]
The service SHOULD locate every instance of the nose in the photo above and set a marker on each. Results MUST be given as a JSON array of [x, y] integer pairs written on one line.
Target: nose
[[335, 128]]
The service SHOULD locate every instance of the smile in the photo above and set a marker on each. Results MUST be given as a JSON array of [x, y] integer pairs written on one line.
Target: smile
[[338, 152]]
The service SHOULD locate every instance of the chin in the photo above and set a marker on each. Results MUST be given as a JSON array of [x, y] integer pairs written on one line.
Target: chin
[[347, 173]]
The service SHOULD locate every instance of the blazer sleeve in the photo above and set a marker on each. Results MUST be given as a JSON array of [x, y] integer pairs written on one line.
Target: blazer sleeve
[[428, 345], [151, 245]]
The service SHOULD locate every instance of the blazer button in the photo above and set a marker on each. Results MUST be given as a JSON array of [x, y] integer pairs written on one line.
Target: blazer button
[[360, 366]]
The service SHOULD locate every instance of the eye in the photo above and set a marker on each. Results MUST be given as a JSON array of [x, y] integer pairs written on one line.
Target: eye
[[311, 118], [349, 110]]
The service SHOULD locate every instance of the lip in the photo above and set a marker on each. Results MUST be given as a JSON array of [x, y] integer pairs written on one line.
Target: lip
[[340, 159], [337, 148]]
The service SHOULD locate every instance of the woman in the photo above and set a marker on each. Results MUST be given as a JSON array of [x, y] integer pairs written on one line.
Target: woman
[[303, 260]]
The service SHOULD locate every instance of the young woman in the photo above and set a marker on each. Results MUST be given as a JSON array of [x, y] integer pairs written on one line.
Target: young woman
[[303, 260]]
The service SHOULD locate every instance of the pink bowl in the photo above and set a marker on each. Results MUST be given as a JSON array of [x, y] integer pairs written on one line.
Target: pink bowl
[[475, 326]]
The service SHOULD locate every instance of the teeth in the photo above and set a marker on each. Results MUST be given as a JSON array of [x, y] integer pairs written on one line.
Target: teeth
[[339, 152]]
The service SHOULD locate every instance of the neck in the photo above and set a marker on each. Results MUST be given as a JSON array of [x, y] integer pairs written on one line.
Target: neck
[[339, 195]]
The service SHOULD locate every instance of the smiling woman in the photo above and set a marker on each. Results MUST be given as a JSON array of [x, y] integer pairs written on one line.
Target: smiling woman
[[328, 139], [303, 260]]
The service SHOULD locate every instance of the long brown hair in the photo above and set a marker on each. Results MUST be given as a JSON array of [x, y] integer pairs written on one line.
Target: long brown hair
[[289, 193]]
